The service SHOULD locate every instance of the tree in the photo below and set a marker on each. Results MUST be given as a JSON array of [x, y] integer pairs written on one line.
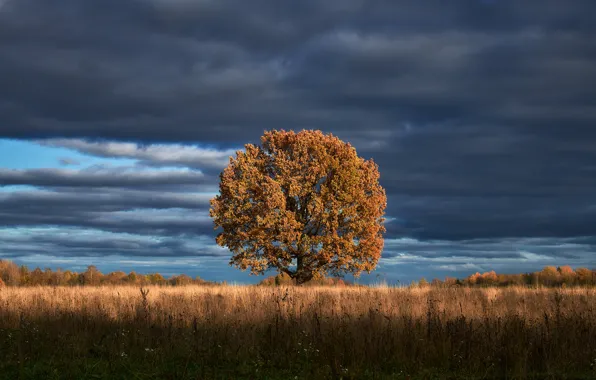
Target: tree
[[489, 278], [567, 275], [115, 278], [70, 278], [584, 276], [24, 274], [182, 279], [549, 276], [283, 279], [9, 272], [450, 282], [302, 203], [157, 279], [132, 278], [36, 277], [92, 276], [474, 278]]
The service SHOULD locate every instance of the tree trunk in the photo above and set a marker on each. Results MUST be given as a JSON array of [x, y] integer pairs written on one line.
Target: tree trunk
[[302, 274], [303, 277]]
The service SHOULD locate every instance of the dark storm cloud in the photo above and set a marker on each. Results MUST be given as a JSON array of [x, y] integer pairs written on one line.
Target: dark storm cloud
[[79, 243], [508, 249], [224, 71], [100, 177], [100, 200], [113, 210], [461, 217], [480, 114], [140, 224]]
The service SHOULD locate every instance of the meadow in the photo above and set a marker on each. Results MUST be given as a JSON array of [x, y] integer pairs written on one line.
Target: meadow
[[249, 332]]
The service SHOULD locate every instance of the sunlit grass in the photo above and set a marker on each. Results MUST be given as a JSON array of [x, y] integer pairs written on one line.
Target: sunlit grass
[[191, 332]]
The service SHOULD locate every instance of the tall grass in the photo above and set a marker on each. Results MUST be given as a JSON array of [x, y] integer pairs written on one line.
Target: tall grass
[[297, 332]]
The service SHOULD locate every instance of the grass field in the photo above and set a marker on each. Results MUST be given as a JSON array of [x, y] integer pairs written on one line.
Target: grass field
[[296, 333]]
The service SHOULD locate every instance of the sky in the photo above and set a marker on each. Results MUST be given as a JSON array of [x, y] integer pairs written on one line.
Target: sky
[[116, 117]]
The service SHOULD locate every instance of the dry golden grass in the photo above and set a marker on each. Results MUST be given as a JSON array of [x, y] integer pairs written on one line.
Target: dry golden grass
[[308, 332]]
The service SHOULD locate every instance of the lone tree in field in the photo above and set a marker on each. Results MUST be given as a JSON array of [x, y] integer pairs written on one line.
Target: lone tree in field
[[302, 203]]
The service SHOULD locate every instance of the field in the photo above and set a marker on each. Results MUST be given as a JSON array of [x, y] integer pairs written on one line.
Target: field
[[223, 332]]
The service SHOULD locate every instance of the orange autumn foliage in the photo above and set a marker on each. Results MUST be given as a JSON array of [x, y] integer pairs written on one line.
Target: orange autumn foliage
[[302, 203]]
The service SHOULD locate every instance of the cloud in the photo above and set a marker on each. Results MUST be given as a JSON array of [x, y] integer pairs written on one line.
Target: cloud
[[480, 114], [166, 202], [3, 3], [99, 177], [79, 242], [411, 258], [171, 71], [65, 161], [488, 249], [152, 155], [461, 267], [488, 215], [101, 199], [175, 222]]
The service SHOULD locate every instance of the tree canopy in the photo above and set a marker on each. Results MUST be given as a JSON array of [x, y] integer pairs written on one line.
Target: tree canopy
[[303, 203]]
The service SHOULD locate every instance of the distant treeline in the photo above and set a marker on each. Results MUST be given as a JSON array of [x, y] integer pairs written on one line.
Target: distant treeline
[[13, 275], [550, 276]]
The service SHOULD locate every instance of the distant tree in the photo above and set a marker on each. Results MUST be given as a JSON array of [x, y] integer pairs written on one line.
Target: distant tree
[[584, 276], [157, 279], [423, 283], [36, 277], [24, 275], [182, 279], [115, 278], [549, 276], [70, 278], [450, 281], [132, 278], [567, 275], [489, 278], [56, 277], [283, 279], [517, 279], [9, 272], [92, 276], [473, 279], [47, 276], [302, 203], [503, 280], [535, 279], [268, 281]]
